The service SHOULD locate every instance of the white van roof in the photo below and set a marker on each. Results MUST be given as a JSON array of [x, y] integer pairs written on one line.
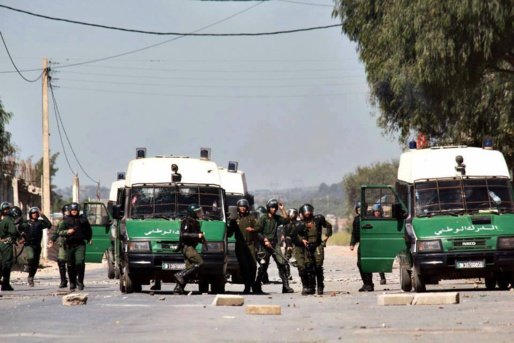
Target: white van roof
[[113, 195], [233, 182], [439, 162], [158, 170]]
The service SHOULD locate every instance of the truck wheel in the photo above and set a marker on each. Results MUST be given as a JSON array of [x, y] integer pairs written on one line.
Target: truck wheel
[[490, 283], [417, 281], [405, 279], [218, 284], [503, 281], [110, 266], [131, 285]]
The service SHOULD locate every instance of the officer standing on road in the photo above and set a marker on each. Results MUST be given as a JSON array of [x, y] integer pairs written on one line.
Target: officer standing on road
[[8, 237], [77, 230], [32, 231], [244, 229], [60, 239], [314, 241], [289, 229], [267, 230], [367, 278], [190, 236]]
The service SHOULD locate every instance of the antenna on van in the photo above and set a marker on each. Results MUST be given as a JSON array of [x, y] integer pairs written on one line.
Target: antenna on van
[[461, 167]]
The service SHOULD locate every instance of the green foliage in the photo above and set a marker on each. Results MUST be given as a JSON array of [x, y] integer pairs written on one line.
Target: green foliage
[[444, 68], [377, 173], [6, 147]]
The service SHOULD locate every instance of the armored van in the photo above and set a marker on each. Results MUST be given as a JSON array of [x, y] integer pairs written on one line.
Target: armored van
[[157, 193], [449, 216]]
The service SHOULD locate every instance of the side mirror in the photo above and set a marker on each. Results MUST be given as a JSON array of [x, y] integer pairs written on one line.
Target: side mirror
[[117, 212], [398, 212]]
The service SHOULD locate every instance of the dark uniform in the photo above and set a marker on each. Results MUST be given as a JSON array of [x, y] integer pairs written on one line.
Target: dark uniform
[[313, 253], [367, 278], [289, 230], [59, 236], [77, 230], [8, 237], [266, 227], [245, 243], [32, 231], [190, 236]]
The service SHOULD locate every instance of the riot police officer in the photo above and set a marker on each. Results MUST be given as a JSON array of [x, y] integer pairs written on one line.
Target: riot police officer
[[60, 239], [314, 241], [267, 230], [289, 230], [190, 236], [243, 227], [76, 230], [32, 231], [367, 278], [8, 237]]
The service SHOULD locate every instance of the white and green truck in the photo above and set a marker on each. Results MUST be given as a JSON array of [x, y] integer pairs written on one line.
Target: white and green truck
[[154, 201], [449, 216]]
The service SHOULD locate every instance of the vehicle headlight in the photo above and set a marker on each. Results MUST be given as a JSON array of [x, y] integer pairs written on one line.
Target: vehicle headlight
[[231, 247], [138, 246], [215, 247], [429, 246], [506, 243]]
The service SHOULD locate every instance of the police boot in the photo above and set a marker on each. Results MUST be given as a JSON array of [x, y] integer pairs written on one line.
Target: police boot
[[265, 278], [62, 272], [382, 279], [257, 285], [156, 285], [288, 272], [81, 268], [285, 281], [30, 281], [312, 282], [367, 280], [6, 274], [305, 283], [319, 279], [248, 288], [72, 275], [183, 278]]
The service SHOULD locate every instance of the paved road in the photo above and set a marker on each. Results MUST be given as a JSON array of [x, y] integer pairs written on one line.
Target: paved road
[[342, 314]]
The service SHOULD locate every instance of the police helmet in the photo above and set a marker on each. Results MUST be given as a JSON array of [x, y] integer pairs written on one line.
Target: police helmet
[[243, 203], [15, 212], [306, 208], [34, 210], [272, 203], [74, 206], [357, 206], [378, 207], [65, 208], [292, 213], [5, 206], [193, 210]]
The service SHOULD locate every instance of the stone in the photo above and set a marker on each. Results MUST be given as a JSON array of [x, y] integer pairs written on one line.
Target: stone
[[394, 299], [75, 299], [264, 309], [446, 298], [228, 300]]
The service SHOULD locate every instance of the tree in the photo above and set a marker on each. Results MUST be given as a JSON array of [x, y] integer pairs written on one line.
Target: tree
[[7, 149], [57, 200], [377, 173], [443, 68]]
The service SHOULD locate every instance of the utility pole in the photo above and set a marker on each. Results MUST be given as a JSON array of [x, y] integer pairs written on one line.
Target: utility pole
[[46, 204]]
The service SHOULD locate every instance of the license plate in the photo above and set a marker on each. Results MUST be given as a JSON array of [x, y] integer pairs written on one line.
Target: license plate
[[173, 266], [470, 264], [169, 246]]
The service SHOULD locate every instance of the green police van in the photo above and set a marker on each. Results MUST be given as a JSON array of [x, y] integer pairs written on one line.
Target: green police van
[[157, 193], [449, 216]]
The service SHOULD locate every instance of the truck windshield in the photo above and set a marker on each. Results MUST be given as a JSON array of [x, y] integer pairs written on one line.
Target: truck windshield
[[173, 201], [459, 196]]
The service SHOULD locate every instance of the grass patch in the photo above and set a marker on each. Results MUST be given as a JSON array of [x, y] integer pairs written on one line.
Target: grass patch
[[339, 238]]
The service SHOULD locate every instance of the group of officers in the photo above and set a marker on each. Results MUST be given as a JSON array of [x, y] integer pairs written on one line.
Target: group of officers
[[71, 235], [258, 238]]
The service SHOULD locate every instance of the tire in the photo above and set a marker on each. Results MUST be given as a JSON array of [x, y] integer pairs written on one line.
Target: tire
[[503, 281], [110, 267], [131, 286], [417, 282], [405, 279], [490, 283]]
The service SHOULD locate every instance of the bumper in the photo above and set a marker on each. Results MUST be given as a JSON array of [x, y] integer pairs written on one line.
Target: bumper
[[444, 265], [146, 267]]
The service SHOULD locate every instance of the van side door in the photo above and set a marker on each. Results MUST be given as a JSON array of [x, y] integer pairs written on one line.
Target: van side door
[[382, 227], [100, 220]]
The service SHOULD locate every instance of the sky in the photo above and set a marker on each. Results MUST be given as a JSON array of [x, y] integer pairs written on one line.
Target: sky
[[292, 109]]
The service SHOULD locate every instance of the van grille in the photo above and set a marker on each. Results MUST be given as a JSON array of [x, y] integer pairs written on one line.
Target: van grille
[[470, 243]]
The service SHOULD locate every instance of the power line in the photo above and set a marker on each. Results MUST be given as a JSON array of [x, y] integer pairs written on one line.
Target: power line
[[306, 3], [68, 139], [190, 34], [14, 64]]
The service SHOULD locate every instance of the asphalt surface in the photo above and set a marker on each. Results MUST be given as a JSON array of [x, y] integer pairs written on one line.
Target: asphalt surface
[[341, 314]]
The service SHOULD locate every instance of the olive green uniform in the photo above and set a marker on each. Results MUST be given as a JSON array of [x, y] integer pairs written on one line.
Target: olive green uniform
[[245, 247], [59, 236], [8, 237]]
